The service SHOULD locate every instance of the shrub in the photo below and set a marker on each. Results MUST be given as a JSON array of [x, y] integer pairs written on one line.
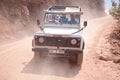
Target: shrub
[[115, 10]]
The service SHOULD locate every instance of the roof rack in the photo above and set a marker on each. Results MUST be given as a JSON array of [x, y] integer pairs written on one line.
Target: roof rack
[[62, 9]]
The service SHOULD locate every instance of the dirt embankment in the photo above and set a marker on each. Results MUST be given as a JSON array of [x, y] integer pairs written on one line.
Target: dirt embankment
[[114, 41], [108, 49], [110, 45], [32, 9]]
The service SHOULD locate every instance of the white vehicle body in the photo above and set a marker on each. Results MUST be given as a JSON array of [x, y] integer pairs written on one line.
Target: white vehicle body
[[61, 33]]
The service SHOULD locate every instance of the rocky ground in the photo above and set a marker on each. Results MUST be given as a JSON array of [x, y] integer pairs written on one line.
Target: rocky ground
[[111, 43], [109, 49]]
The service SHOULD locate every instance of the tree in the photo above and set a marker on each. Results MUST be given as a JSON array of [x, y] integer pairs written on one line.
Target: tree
[[115, 10]]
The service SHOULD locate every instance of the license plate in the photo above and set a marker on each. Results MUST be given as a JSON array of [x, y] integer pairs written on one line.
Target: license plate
[[57, 51]]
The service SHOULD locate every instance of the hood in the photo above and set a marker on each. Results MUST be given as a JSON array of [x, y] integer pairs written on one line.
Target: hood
[[60, 30], [63, 31]]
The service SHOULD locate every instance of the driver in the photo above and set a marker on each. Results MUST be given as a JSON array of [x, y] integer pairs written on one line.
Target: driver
[[63, 19], [72, 20]]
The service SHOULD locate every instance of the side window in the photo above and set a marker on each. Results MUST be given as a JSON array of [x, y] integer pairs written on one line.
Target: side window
[[48, 18]]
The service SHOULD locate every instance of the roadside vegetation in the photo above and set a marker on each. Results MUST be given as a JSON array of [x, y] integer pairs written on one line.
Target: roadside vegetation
[[115, 10]]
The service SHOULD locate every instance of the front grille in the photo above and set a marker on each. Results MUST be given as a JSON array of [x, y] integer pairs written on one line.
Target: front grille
[[57, 41]]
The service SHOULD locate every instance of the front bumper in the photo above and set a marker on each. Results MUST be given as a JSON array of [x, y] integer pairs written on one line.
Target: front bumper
[[66, 51]]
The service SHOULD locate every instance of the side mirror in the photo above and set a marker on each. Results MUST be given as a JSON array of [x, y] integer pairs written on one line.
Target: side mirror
[[85, 23], [38, 22]]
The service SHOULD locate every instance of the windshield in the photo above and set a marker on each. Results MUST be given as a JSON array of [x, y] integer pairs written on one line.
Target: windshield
[[51, 18]]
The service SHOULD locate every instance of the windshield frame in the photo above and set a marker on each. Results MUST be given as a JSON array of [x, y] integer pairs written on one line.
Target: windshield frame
[[67, 24]]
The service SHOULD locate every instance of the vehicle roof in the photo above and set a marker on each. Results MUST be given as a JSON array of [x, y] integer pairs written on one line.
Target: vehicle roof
[[64, 9]]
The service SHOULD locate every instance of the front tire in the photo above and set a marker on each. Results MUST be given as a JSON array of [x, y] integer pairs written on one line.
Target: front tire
[[36, 55], [76, 58], [79, 59]]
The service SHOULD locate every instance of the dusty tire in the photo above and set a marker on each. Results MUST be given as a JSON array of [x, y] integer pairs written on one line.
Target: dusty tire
[[79, 59], [36, 55], [72, 58]]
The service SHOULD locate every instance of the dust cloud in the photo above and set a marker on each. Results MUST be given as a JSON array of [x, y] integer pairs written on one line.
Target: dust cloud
[[18, 17], [52, 66]]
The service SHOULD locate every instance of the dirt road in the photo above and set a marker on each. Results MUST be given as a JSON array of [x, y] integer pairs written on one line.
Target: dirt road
[[16, 59]]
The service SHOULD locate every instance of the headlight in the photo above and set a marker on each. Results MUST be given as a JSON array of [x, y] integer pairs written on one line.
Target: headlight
[[73, 41], [41, 40]]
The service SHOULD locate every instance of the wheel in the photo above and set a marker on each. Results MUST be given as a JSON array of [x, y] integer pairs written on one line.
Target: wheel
[[79, 59], [83, 46], [72, 58], [76, 58], [36, 55]]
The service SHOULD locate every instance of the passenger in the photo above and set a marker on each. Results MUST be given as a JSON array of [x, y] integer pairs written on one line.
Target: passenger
[[63, 19], [72, 20], [77, 18]]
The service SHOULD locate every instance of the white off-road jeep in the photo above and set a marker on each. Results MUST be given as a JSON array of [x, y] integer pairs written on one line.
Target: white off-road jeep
[[61, 34]]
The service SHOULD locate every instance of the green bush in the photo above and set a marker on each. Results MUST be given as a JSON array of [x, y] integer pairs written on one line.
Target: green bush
[[115, 10]]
